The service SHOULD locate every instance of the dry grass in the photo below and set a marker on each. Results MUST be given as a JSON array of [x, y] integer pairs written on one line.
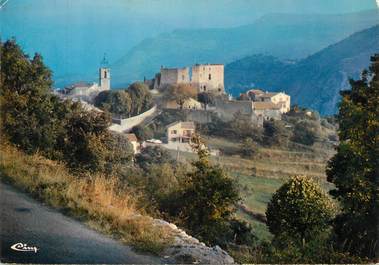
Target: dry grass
[[99, 200]]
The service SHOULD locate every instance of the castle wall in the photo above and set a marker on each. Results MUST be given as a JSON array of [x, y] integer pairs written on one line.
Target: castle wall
[[171, 76], [208, 77]]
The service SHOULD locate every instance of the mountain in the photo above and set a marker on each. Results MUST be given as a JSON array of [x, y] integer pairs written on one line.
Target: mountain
[[287, 36], [313, 82]]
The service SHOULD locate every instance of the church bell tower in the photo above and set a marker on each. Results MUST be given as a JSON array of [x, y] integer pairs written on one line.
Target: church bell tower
[[104, 75]]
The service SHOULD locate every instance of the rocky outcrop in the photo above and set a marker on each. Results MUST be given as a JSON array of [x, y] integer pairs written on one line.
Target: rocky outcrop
[[187, 249]]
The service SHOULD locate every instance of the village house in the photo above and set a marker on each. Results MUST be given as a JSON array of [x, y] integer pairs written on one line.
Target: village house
[[257, 112], [282, 100], [188, 103], [180, 131], [134, 141]]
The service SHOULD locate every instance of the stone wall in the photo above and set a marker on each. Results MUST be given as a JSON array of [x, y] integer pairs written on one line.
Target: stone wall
[[170, 76], [125, 125]]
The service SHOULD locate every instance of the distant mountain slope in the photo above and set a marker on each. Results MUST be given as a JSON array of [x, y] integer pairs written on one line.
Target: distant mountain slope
[[313, 82], [282, 35]]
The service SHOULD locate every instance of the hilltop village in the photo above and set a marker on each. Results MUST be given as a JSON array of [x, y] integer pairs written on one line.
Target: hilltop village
[[198, 92]]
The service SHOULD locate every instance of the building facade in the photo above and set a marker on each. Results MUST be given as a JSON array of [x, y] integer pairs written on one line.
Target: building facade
[[188, 103], [204, 77], [208, 78], [180, 131], [88, 91], [282, 100]]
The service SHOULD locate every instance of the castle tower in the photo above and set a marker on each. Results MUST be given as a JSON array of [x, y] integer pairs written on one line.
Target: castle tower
[[104, 75]]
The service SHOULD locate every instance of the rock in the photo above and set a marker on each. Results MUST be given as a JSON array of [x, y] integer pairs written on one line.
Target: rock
[[187, 249]]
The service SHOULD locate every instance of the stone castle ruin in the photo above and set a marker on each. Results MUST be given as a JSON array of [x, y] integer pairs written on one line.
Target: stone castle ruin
[[204, 77]]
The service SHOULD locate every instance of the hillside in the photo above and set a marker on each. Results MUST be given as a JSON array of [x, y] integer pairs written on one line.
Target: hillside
[[313, 82], [282, 35]]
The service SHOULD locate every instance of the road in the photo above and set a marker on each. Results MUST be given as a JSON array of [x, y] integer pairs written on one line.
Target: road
[[59, 239]]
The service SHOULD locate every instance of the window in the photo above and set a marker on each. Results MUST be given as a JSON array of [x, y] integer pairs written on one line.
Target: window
[[210, 77], [183, 77], [105, 74], [173, 132], [205, 88]]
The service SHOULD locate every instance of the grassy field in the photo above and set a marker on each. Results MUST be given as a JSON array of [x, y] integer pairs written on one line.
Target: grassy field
[[262, 175]]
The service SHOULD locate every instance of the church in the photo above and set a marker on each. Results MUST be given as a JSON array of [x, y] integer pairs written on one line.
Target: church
[[88, 91]]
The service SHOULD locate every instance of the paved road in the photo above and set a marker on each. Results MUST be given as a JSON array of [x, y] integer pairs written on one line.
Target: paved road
[[59, 239]]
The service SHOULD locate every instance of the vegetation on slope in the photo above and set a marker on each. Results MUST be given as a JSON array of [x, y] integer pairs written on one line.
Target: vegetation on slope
[[103, 202]]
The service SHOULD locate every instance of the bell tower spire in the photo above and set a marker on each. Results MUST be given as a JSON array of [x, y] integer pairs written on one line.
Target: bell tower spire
[[104, 74]]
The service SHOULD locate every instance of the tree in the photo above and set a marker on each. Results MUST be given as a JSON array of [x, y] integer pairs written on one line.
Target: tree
[[274, 132], [306, 132], [248, 148], [86, 134], [140, 97], [206, 98], [180, 93], [27, 106], [354, 170], [207, 200], [116, 102], [119, 152], [153, 155], [298, 210], [143, 133]]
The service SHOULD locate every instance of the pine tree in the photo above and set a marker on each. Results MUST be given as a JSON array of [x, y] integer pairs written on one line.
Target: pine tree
[[354, 170]]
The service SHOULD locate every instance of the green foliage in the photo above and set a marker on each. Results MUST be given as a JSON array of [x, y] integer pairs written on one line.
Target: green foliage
[[206, 202], [299, 210], [143, 133], [84, 142], [319, 249], [354, 170], [140, 97], [153, 155], [36, 120], [29, 113], [274, 133], [306, 132], [206, 98], [125, 103], [116, 102], [248, 148], [179, 93]]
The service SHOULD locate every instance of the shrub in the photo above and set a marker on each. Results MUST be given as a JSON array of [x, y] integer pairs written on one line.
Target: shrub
[[248, 148], [299, 209], [143, 133], [306, 132]]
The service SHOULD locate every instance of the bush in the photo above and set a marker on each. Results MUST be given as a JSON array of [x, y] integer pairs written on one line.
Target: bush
[[151, 155], [306, 132], [299, 209], [143, 133], [248, 148], [274, 133], [206, 201]]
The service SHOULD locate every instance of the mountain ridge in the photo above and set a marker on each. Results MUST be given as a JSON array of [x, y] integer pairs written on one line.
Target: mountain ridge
[[313, 82], [299, 36]]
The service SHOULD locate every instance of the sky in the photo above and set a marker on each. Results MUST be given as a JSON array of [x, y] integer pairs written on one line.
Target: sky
[[75, 34]]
